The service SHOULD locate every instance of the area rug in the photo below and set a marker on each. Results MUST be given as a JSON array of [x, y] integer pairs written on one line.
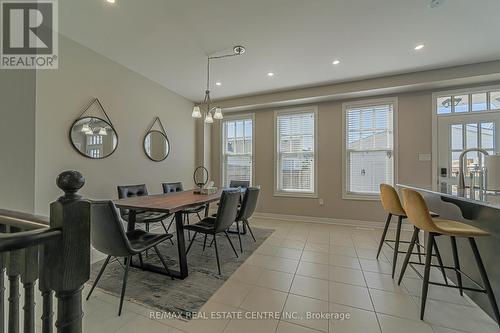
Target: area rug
[[180, 297]]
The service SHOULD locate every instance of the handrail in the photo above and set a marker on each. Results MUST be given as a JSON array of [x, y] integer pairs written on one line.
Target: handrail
[[21, 240], [23, 221]]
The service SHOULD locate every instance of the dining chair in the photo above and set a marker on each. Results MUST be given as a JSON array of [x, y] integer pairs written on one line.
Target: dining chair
[[145, 217], [246, 211], [177, 187], [239, 183], [109, 237], [226, 215]]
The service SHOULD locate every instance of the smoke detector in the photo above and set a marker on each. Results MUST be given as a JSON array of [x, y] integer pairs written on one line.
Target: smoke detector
[[436, 3]]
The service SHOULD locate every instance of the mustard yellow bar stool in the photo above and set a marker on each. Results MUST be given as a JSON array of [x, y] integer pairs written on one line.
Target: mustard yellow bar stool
[[392, 206], [418, 215]]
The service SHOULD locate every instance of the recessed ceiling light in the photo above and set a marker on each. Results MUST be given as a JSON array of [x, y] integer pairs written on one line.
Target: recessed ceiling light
[[336, 62], [270, 74], [111, 1], [218, 83], [419, 47]]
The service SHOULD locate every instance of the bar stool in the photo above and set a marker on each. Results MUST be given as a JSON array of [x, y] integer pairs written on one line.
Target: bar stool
[[418, 214], [392, 206]]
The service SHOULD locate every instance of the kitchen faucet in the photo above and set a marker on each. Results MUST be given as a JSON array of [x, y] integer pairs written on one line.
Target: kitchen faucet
[[461, 174]]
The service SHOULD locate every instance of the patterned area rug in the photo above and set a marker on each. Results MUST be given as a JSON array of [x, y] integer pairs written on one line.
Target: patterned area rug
[[180, 297]]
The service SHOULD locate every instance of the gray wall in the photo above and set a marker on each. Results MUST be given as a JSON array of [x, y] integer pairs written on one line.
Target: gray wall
[[131, 101], [17, 139]]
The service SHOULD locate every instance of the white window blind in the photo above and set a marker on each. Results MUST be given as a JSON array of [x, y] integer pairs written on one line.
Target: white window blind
[[296, 152], [369, 139], [237, 159]]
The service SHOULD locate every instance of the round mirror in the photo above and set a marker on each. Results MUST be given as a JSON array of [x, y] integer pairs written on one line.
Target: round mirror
[[93, 137], [156, 146]]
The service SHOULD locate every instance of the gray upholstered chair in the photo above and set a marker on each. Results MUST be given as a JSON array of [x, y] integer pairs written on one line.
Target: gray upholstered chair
[[109, 237], [226, 215]]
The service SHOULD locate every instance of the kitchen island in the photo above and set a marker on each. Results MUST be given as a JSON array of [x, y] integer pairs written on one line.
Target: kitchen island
[[476, 208]]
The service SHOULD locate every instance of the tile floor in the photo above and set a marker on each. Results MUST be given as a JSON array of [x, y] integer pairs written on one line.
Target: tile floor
[[315, 268]]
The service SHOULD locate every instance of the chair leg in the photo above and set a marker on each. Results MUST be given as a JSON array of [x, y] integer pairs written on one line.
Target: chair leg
[[141, 262], [124, 285], [98, 276], [249, 229], [170, 224], [166, 231], [418, 249], [163, 261], [396, 246], [484, 277], [239, 235], [440, 261], [189, 232], [217, 253], [457, 263], [408, 254], [384, 233], [204, 242], [191, 243], [427, 271], [199, 217], [147, 230], [231, 243]]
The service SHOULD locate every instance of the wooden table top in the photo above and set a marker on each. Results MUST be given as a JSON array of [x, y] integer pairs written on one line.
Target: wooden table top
[[168, 203]]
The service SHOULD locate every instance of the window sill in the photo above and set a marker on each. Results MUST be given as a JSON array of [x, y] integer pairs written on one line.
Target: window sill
[[360, 196], [296, 194]]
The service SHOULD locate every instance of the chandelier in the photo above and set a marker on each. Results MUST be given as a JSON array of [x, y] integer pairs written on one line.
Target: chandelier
[[212, 111]]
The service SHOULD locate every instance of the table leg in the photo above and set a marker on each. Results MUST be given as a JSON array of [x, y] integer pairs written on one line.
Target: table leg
[[131, 220], [181, 245], [207, 209]]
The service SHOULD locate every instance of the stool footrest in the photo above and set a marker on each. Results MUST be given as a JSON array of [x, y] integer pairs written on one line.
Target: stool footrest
[[480, 287]]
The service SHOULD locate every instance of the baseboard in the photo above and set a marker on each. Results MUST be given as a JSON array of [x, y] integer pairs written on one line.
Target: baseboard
[[327, 220]]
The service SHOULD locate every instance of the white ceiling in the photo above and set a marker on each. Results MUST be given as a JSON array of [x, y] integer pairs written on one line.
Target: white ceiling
[[168, 41]]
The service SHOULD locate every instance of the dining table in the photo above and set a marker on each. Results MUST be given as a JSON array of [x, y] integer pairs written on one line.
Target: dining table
[[169, 203]]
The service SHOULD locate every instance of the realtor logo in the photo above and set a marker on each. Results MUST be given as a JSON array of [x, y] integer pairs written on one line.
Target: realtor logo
[[29, 35]]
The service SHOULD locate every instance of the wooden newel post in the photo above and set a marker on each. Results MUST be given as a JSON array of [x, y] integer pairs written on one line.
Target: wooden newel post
[[67, 260]]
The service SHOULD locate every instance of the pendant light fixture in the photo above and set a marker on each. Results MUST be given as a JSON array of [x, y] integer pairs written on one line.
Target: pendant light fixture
[[213, 112]]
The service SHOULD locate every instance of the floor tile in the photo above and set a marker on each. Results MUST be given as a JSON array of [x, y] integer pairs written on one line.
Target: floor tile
[[303, 305], [251, 326], [384, 282], [315, 257], [392, 324], [286, 327], [350, 295], [310, 287], [344, 261], [395, 304], [438, 293], [352, 320], [264, 299], [343, 250], [275, 280], [247, 273], [347, 275], [318, 271], [232, 293]]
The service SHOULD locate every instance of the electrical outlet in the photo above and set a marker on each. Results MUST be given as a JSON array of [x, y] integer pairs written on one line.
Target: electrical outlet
[[321, 201]]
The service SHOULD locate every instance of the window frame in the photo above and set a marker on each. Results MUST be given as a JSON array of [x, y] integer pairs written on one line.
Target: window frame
[[455, 92], [296, 194], [346, 194], [231, 118]]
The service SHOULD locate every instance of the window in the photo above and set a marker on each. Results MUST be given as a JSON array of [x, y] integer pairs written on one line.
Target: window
[[237, 151], [468, 101], [368, 147], [295, 153]]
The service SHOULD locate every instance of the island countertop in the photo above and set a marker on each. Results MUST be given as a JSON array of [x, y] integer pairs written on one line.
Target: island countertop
[[488, 199]]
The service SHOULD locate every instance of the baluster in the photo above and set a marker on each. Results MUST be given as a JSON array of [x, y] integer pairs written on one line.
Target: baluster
[[3, 229], [29, 275], [47, 298], [69, 256], [13, 272]]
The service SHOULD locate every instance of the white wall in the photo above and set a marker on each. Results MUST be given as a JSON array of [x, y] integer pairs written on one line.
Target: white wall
[[131, 101], [17, 139]]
